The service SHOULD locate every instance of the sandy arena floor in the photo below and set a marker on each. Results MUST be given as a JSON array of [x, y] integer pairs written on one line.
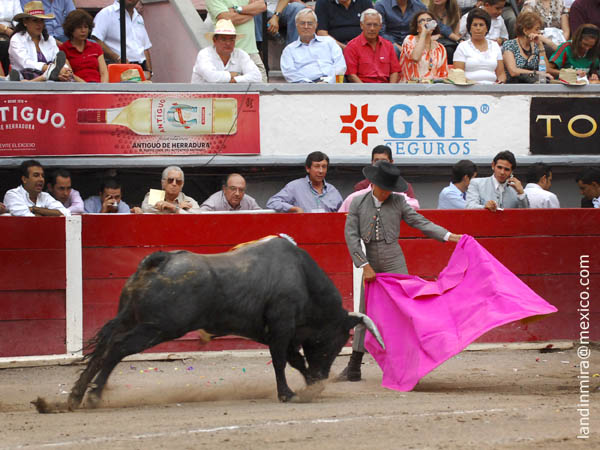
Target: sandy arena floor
[[502, 399]]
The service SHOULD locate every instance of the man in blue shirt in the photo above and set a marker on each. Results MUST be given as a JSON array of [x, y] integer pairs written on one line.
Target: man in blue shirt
[[454, 196], [60, 9], [309, 194], [340, 19], [397, 15], [311, 58], [109, 200]]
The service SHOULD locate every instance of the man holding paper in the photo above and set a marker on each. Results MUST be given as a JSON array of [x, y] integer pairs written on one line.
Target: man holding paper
[[171, 199]]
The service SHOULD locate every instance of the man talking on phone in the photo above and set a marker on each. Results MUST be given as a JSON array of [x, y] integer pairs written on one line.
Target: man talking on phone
[[501, 190], [109, 200]]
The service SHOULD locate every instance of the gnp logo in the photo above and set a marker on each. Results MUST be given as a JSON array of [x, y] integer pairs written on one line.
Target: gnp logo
[[417, 130]]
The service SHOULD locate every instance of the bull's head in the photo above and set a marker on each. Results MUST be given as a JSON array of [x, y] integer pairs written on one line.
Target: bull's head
[[321, 351]]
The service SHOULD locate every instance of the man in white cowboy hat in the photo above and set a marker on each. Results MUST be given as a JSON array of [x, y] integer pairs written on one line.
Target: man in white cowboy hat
[[241, 13], [59, 9], [29, 40], [107, 31], [374, 218], [222, 62]]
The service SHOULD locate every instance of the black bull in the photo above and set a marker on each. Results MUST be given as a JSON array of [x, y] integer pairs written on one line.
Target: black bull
[[269, 291]]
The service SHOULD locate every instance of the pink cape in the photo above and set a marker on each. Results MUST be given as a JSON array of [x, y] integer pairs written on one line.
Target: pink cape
[[424, 323]]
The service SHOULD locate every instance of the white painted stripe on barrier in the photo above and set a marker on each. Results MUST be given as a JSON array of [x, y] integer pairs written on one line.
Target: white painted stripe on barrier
[[74, 288]]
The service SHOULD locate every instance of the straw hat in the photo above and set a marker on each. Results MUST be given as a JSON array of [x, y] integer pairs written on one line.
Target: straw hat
[[225, 27], [569, 77], [33, 9], [457, 76]]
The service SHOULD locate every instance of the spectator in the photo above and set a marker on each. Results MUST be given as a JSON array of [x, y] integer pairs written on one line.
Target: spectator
[[479, 57], [59, 9], [279, 11], [33, 52], [369, 57], [539, 180], [582, 12], [3, 209], [496, 29], [222, 62], [8, 10], [589, 185], [422, 57], [552, 12], [510, 12], [447, 14], [521, 55], [241, 13], [340, 19], [384, 153], [29, 200], [311, 58], [581, 53], [59, 186], [107, 32], [311, 193], [454, 196], [379, 153], [396, 18], [109, 200], [232, 197], [85, 57], [175, 201], [501, 190]]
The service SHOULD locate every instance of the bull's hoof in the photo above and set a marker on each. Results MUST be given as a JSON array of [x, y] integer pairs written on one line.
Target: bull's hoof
[[286, 397], [73, 401], [93, 400]]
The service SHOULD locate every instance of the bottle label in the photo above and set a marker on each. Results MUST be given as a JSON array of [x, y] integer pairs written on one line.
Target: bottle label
[[182, 116]]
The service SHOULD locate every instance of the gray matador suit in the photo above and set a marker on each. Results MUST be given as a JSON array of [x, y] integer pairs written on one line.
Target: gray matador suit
[[379, 228]]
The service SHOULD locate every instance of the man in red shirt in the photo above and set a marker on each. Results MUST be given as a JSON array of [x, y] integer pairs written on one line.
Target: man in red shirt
[[369, 57]]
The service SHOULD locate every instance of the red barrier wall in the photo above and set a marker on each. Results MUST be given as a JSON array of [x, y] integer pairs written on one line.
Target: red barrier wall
[[542, 247], [32, 286]]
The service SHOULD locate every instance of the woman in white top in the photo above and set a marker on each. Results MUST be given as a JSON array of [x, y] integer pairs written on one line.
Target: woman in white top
[[33, 53], [480, 58], [8, 9]]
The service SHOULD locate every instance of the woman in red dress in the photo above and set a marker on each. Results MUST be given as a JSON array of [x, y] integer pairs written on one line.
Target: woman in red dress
[[85, 57]]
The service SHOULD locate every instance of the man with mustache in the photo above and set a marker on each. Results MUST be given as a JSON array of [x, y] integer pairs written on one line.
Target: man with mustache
[[29, 199]]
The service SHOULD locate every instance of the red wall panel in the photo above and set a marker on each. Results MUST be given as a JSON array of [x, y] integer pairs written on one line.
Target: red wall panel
[[32, 337]]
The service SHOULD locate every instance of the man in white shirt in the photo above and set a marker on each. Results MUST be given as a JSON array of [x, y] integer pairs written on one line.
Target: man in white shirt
[[59, 186], [497, 31], [454, 196], [29, 200], [501, 190], [108, 34], [539, 180], [311, 58], [222, 62]]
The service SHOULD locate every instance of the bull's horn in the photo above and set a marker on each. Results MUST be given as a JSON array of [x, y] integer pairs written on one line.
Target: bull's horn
[[366, 320]]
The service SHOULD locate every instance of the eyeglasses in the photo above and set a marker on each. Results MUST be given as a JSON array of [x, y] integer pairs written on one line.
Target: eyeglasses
[[424, 20], [236, 189], [179, 181], [306, 24]]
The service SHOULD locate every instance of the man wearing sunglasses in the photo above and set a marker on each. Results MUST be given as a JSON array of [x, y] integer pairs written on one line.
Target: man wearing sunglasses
[[232, 197], [175, 201]]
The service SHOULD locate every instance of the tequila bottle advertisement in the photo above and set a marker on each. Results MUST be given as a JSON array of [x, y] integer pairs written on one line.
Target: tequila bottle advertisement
[[129, 124]]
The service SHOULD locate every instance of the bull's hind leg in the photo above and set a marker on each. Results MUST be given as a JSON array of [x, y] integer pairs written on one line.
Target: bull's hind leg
[[133, 341], [82, 383]]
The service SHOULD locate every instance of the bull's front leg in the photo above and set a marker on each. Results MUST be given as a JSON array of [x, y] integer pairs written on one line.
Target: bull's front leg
[[278, 355]]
